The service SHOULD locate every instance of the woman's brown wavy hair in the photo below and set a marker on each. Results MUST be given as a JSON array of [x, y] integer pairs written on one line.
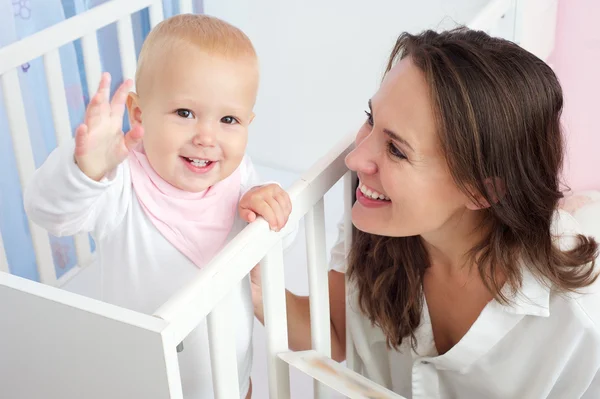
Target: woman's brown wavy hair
[[497, 110]]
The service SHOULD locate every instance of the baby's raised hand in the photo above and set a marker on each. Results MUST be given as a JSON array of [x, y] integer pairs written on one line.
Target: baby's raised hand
[[269, 201], [100, 145]]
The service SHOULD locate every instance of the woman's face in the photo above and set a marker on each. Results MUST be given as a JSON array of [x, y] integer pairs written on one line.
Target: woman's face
[[398, 157]]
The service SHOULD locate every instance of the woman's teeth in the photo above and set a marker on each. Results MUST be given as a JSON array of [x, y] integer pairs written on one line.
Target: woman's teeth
[[373, 194], [200, 163]]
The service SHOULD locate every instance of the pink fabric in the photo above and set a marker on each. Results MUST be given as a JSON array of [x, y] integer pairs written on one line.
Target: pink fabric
[[576, 61], [197, 224]]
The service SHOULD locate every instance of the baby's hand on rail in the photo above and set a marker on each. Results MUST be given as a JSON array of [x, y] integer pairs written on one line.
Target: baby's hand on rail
[[269, 201], [100, 145]]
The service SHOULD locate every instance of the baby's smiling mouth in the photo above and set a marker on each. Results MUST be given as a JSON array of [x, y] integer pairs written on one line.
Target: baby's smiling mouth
[[198, 162]]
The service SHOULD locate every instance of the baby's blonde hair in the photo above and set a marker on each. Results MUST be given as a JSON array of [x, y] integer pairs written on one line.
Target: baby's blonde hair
[[209, 34]]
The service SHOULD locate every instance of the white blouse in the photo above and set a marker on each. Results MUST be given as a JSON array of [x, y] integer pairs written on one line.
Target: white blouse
[[546, 345]]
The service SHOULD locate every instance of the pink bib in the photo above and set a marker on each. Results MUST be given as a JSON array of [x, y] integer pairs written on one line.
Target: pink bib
[[197, 224]]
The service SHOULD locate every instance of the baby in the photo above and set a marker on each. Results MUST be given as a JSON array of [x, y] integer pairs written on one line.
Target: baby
[[163, 199]]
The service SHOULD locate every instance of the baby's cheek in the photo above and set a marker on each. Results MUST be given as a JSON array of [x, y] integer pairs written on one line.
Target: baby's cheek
[[234, 149]]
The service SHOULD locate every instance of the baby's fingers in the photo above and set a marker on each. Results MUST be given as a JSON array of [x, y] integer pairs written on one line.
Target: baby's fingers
[[279, 217], [81, 135], [98, 102], [94, 110], [262, 208], [286, 203], [134, 136], [104, 86], [117, 105], [247, 215]]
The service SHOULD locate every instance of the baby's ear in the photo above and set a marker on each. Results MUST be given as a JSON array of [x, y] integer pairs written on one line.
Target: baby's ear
[[251, 118], [495, 189], [133, 109]]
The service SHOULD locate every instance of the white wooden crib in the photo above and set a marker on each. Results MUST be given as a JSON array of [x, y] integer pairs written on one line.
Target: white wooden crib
[[57, 344]]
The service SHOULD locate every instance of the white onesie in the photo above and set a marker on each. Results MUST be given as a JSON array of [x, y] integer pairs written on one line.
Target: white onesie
[[140, 268]]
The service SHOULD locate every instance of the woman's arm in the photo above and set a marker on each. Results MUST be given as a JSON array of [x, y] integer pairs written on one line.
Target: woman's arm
[[298, 314], [593, 390]]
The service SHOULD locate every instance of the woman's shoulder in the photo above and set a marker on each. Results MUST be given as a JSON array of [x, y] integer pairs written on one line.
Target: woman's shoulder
[[585, 302], [579, 308], [565, 229]]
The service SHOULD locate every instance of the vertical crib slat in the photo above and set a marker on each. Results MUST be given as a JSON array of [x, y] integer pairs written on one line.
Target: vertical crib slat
[[126, 47], [17, 122], [349, 193], [91, 61], [3, 260], [186, 7], [62, 130], [223, 358], [58, 99], [352, 360], [156, 13], [273, 287], [318, 285]]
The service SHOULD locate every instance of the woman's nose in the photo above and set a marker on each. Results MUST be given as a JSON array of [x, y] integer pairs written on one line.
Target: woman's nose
[[363, 158]]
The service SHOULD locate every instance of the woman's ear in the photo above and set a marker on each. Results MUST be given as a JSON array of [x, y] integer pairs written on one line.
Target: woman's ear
[[133, 109], [495, 190]]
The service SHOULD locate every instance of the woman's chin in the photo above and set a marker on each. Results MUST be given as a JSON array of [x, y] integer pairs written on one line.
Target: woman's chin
[[375, 224], [366, 223]]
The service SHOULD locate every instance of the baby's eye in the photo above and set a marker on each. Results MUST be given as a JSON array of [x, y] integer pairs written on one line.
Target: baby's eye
[[184, 113], [230, 120]]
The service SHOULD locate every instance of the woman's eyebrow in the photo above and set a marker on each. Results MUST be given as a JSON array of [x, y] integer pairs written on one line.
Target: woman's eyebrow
[[391, 134]]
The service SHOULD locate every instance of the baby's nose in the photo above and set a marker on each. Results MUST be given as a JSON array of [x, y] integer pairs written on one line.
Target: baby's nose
[[205, 137]]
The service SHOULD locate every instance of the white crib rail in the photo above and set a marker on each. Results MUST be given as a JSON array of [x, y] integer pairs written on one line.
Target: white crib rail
[[46, 43], [314, 222], [17, 122], [126, 47], [257, 243], [186, 7], [221, 337], [69, 30], [3, 261], [156, 13], [352, 359], [62, 131], [491, 14], [274, 300]]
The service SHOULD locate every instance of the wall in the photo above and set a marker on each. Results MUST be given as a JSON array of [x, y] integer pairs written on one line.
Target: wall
[[576, 60], [320, 63]]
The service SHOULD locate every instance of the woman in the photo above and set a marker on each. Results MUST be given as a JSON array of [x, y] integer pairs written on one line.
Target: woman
[[466, 280]]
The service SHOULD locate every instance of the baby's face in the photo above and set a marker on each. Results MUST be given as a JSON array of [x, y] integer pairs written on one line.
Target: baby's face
[[195, 115]]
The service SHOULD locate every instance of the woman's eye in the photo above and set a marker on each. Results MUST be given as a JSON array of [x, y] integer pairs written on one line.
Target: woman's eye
[[369, 118], [185, 113], [230, 120], [395, 152]]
